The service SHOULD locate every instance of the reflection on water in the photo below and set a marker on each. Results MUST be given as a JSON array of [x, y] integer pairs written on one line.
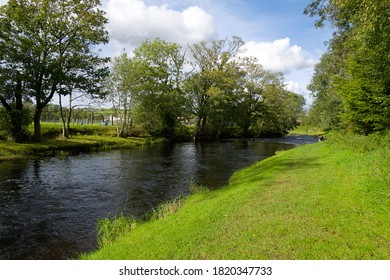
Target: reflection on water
[[49, 207]]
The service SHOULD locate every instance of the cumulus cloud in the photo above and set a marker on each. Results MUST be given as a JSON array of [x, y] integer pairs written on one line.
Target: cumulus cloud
[[280, 55], [293, 86], [132, 21]]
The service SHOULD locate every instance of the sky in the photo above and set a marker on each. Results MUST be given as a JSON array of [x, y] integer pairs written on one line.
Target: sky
[[276, 32]]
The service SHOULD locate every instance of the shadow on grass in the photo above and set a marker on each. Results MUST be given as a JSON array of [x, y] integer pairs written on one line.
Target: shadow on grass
[[267, 169]]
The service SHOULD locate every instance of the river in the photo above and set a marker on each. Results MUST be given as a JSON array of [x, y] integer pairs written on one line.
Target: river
[[49, 207]]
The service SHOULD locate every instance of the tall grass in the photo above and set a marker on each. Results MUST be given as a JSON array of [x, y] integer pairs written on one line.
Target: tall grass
[[112, 227], [165, 209]]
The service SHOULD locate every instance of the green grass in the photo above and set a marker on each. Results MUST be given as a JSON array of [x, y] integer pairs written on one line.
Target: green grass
[[329, 200], [84, 138], [307, 130]]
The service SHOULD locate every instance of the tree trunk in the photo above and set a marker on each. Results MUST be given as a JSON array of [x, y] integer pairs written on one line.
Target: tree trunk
[[197, 129], [63, 118], [246, 130], [66, 116], [37, 124], [16, 114], [200, 128]]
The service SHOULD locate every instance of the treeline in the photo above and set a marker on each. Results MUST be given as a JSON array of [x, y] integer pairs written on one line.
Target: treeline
[[351, 84], [215, 92], [47, 48]]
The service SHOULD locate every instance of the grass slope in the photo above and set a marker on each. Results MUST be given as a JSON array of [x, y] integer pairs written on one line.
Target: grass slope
[[319, 201]]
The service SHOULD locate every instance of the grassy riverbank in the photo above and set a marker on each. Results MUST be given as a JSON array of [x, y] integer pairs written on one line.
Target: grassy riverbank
[[329, 200], [84, 138]]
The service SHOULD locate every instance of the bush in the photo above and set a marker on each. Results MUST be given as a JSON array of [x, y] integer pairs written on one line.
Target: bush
[[361, 143], [15, 124], [50, 130]]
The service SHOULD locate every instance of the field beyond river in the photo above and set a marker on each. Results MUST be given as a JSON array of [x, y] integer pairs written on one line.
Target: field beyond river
[[329, 200]]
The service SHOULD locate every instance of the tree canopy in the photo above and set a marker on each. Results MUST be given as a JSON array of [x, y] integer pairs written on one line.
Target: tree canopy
[[158, 90], [48, 47], [356, 69]]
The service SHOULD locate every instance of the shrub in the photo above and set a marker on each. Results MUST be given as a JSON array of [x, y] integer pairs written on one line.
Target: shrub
[[361, 143], [15, 124]]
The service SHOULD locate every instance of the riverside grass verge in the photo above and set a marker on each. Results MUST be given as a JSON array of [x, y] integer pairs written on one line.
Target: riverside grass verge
[[84, 138], [329, 200]]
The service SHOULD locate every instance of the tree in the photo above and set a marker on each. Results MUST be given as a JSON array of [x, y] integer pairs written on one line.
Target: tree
[[12, 87], [281, 111], [253, 104], [48, 46], [214, 79], [160, 100], [15, 118], [326, 111], [362, 35], [123, 83]]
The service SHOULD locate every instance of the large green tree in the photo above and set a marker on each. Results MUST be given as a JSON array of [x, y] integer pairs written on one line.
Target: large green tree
[[160, 100], [362, 36], [213, 82], [48, 47], [326, 111], [259, 86]]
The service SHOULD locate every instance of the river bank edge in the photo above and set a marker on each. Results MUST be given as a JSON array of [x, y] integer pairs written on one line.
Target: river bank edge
[[10, 151], [327, 200], [93, 138]]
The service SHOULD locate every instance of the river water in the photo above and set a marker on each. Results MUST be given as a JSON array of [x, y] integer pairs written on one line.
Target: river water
[[49, 207]]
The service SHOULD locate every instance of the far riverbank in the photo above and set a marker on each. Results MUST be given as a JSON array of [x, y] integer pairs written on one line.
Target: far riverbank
[[84, 138]]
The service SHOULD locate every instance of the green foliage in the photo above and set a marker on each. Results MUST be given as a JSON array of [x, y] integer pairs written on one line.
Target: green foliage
[[160, 100], [357, 64], [360, 143], [14, 124], [146, 90], [326, 110], [366, 99], [122, 85], [48, 47], [212, 88]]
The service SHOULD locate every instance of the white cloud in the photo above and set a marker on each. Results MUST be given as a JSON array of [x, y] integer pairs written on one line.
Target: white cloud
[[293, 86], [132, 21], [279, 55], [297, 82], [296, 63]]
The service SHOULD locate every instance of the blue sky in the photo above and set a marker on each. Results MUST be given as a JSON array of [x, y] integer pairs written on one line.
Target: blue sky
[[276, 32]]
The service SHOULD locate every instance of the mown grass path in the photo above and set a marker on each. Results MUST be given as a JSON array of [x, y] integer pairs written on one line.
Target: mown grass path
[[318, 201]]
